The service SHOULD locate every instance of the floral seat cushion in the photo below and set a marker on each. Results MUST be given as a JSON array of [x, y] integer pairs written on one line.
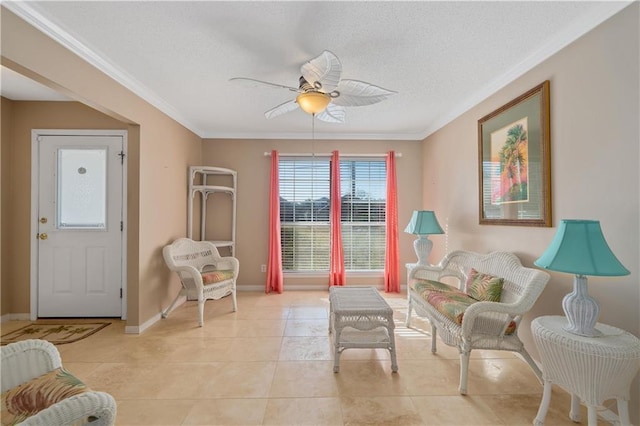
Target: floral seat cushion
[[448, 300], [29, 398], [217, 276], [424, 287], [452, 304]]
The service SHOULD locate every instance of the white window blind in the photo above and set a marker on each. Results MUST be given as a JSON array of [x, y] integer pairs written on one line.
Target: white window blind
[[363, 189], [304, 213]]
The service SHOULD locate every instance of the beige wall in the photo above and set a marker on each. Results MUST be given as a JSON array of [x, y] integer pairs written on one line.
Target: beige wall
[[594, 156], [247, 158], [6, 114], [160, 151]]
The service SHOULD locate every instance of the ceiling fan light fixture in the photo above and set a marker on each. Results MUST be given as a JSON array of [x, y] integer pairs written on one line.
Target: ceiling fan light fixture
[[313, 102], [321, 92]]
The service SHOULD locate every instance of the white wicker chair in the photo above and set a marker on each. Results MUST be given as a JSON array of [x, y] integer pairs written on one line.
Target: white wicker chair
[[484, 324], [190, 260], [25, 360]]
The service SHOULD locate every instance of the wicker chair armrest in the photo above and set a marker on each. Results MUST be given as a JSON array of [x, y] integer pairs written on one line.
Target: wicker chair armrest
[[192, 270], [26, 360], [193, 273], [422, 272], [498, 311], [226, 262], [100, 407], [436, 273]]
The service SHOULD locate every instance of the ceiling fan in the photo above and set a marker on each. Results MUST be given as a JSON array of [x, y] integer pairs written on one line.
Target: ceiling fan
[[322, 92]]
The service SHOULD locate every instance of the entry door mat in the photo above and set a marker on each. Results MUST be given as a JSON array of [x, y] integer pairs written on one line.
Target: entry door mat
[[58, 334]]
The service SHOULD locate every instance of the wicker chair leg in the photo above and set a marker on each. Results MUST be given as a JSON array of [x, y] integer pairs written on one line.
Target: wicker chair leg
[[407, 321], [623, 411], [532, 364], [464, 370], [166, 312], [434, 335], [574, 412], [200, 313], [235, 302]]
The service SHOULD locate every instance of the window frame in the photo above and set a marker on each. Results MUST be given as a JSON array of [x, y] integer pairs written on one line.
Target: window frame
[[380, 182]]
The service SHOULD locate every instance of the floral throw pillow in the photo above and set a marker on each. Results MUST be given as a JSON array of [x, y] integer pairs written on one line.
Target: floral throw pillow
[[484, 287]]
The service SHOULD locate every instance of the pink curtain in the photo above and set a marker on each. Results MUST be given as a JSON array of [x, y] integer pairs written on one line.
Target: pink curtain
[[336, 260], [391, 263], [275, 281]]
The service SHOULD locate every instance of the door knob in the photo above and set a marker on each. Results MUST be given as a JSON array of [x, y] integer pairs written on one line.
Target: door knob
[[43, 236], [43, 220]]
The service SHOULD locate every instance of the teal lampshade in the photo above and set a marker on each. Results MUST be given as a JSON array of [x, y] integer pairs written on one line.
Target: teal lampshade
[[580, 248], [423, 222]]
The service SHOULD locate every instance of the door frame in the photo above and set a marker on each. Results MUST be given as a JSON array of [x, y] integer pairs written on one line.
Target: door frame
[[35, 175]]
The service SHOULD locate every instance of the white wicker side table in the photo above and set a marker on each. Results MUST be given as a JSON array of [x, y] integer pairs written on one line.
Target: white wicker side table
[[359, 317], [591, 369]]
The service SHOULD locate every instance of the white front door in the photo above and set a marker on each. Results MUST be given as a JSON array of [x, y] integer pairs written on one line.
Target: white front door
[[79, 225]]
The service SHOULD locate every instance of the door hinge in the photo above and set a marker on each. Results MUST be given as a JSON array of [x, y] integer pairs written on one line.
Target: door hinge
[[120, 293], [121, 226], [122, 155]]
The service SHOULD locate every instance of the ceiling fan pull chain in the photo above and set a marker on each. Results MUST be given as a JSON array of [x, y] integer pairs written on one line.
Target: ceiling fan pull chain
[[313, 136]]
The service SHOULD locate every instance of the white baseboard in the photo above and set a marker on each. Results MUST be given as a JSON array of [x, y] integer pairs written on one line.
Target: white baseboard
[[141, 328], [317, 287], [131, 329], [243, 288], [15, 317], [304, 287]]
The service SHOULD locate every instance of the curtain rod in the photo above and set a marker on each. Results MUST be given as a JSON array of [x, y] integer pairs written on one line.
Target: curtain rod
[[306, 154]]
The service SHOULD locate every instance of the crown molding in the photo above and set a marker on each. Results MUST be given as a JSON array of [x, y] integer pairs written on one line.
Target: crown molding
[[34, 18], [318, 136], [573, 32]]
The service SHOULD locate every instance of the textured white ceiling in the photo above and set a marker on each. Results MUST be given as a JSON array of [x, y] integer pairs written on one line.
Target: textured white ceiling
[[441, 57], [17, 87]]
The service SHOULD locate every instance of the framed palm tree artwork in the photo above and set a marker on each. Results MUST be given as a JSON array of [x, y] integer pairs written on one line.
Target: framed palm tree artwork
[[513, 162]]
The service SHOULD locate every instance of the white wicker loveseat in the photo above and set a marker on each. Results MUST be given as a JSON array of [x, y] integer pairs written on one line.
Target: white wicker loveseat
[[37, 391], [468, 323]]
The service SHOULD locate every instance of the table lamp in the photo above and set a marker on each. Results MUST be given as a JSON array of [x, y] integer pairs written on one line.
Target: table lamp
[[580, 248], [423, 223]]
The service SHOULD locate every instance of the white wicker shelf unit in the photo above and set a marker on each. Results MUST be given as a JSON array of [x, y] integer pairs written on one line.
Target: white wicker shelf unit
[[206, 181]]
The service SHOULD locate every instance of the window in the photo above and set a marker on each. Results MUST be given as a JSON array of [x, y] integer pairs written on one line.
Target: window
[[82, 188], [304, 213], [363, 188]]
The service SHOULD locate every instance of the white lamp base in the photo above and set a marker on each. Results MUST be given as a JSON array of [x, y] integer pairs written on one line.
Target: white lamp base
[[422, 245], [581, 310]]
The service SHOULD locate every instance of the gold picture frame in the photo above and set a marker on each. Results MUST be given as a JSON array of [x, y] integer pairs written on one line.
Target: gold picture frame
[[514, 166]]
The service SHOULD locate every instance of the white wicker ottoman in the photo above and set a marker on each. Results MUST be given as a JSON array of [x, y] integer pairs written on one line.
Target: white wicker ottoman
[[359, 317]]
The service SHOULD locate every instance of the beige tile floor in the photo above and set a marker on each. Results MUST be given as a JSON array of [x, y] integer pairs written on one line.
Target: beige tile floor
[[271, 363]]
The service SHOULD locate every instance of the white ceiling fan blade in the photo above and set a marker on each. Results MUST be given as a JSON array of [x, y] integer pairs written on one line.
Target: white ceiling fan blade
[[332, 114], [252, 82], [360, 93], [282, 109], [325, 69]]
